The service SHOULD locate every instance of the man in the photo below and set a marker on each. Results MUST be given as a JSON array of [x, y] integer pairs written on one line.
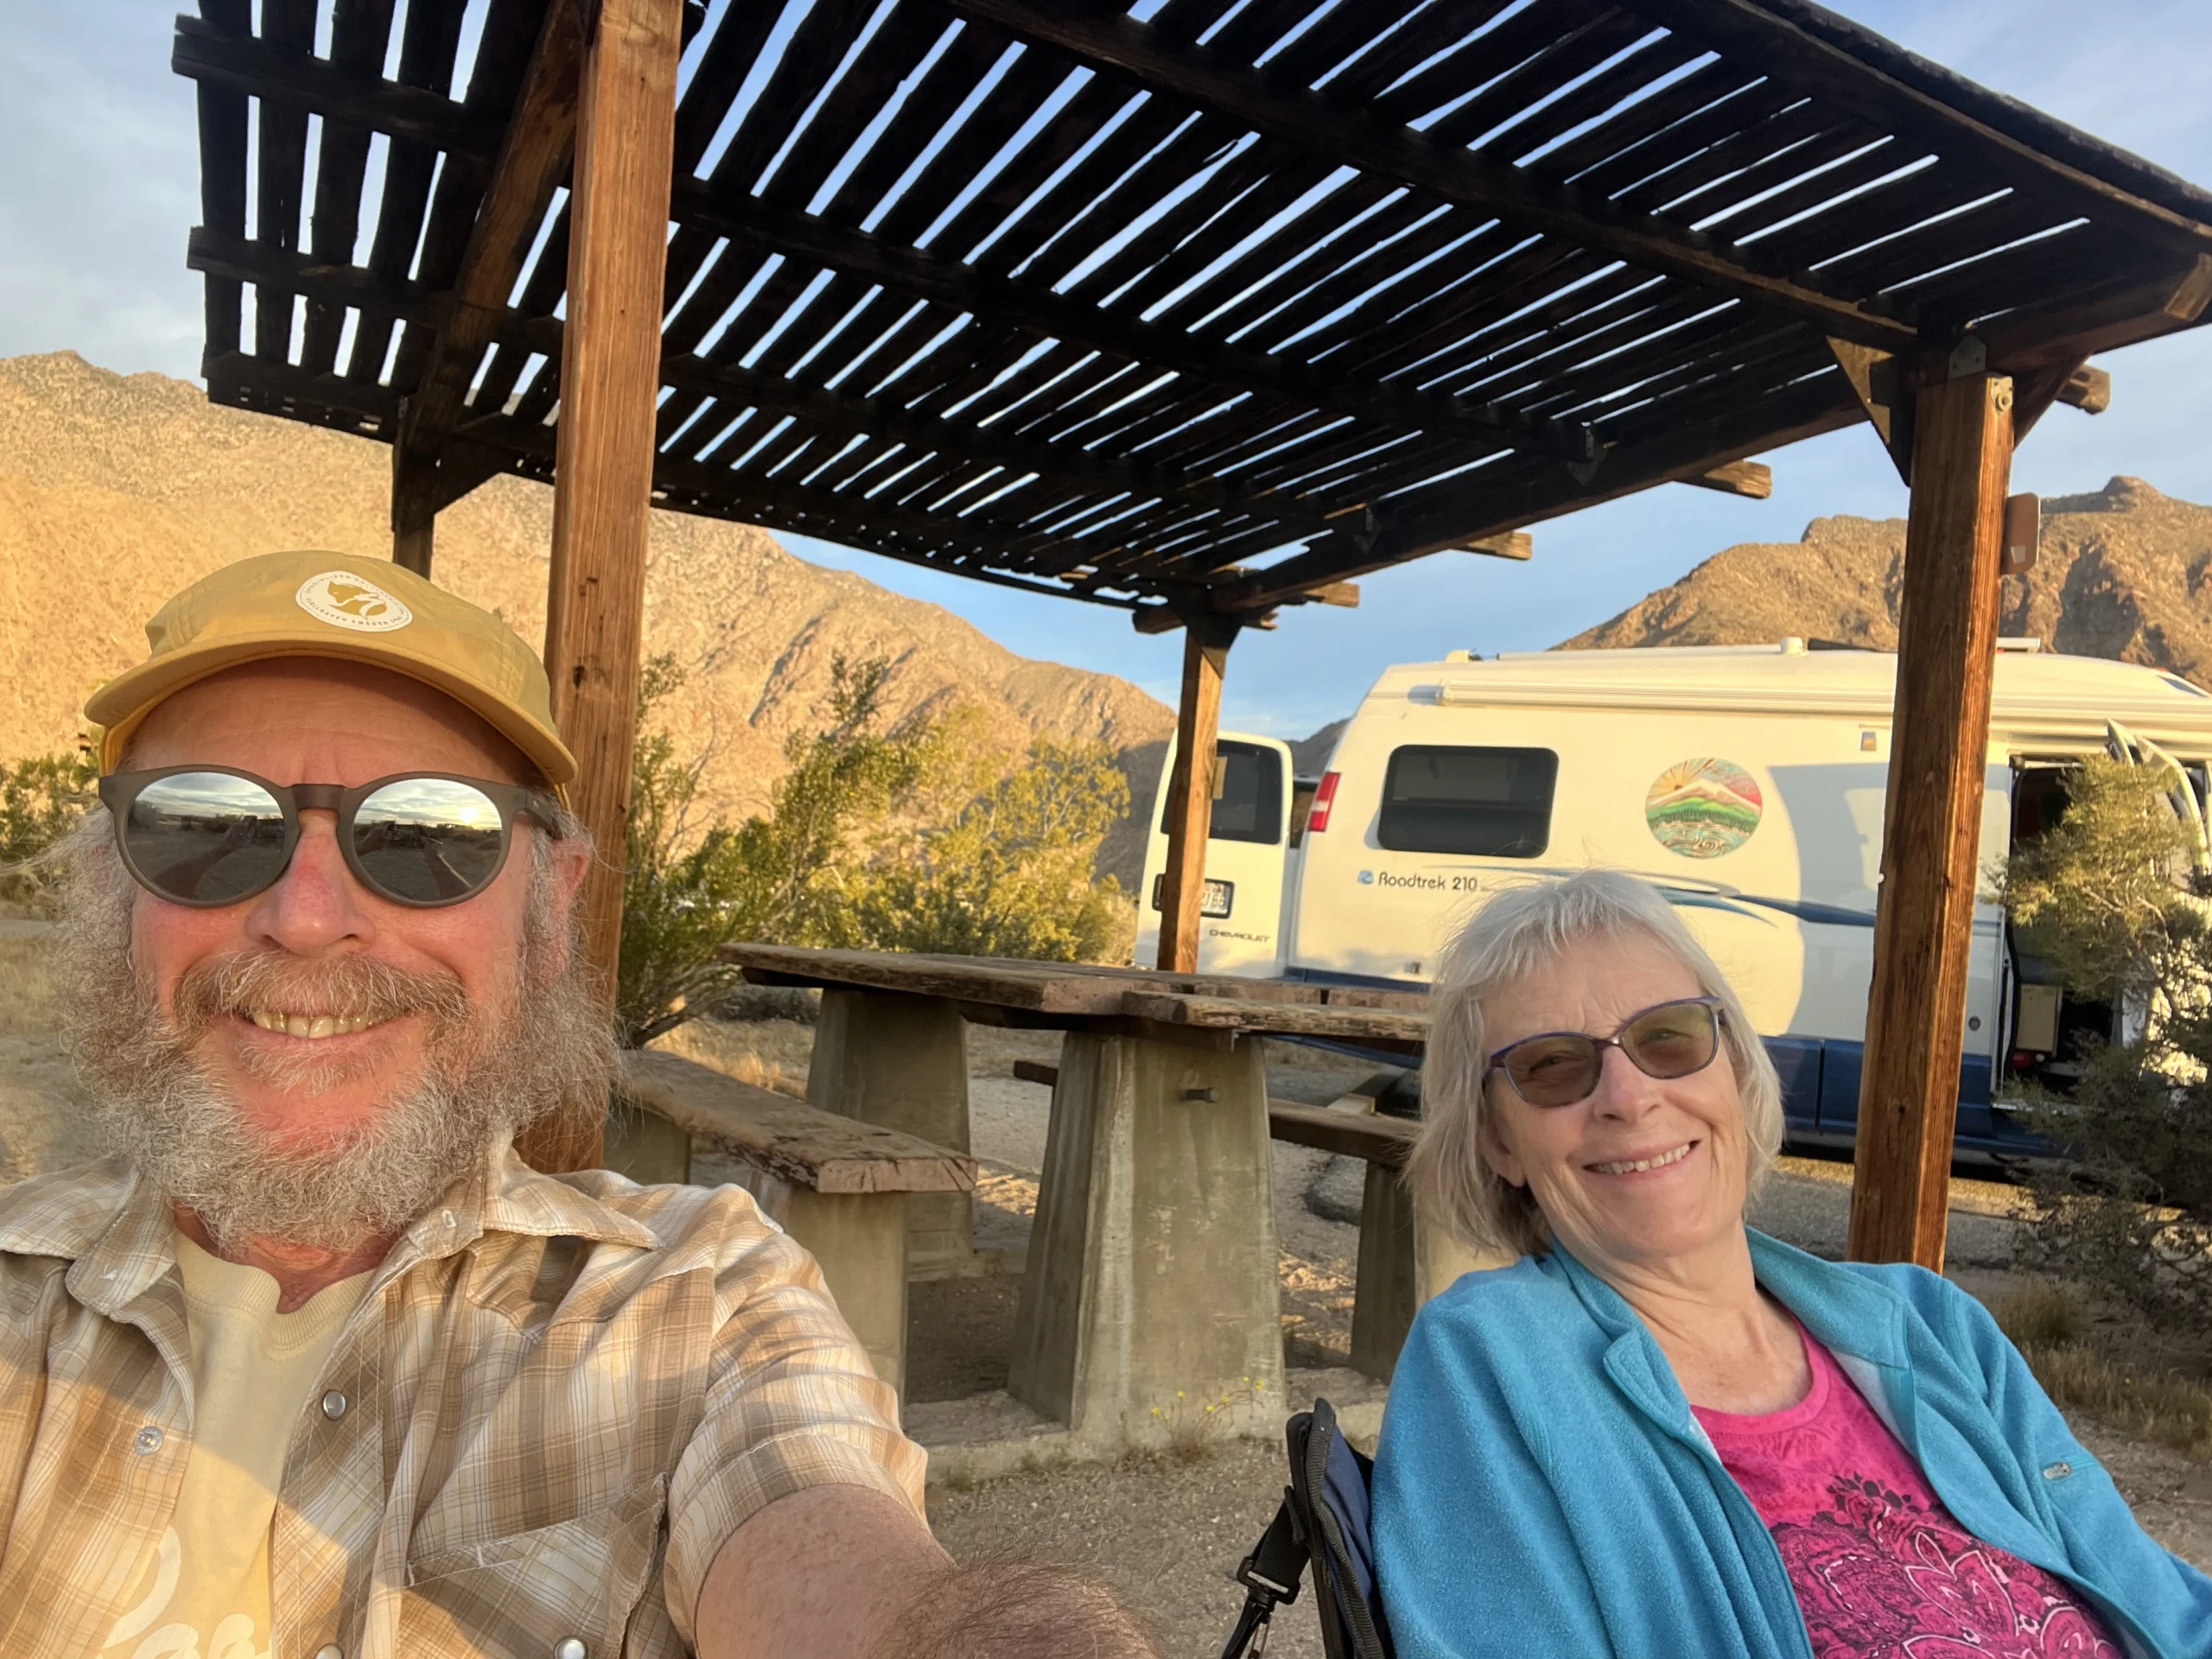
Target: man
[[314, 1364]]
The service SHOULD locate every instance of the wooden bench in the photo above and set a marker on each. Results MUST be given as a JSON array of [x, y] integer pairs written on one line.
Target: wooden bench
[[837, 1186], [1402, 1263]]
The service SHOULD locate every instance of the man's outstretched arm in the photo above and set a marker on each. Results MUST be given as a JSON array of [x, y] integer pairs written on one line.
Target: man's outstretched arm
[[840, 1572]]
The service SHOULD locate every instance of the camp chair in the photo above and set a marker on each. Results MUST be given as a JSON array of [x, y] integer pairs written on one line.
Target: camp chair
[[1324, 1520]]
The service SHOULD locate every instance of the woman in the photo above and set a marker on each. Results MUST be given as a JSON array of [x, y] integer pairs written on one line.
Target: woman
[[1662, 1433]]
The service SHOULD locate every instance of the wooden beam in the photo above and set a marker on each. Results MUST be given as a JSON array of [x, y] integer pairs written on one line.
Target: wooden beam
[[229, 56], [1809, 52], [2141, 308], [2087, 389], [610, 376], [1347, 134], [1517, 544], [2080, 385], [754, 223], [843, 415], [533, 158], [1752, 479], [1451, 515], [1206, 640], [413, 519], [502, 443], [1883, 386], [840, 415], [1923, 917]]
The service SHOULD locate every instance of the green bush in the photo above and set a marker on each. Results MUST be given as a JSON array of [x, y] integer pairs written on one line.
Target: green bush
[[2108, 898], [1011, 875], [41, 800], [778, 878], [903, 839]]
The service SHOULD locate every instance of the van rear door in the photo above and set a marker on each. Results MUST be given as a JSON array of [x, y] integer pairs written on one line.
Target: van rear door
[[1240, 913]]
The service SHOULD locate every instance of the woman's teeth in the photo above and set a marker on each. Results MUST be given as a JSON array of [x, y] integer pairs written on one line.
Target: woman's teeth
[[312, 1024], [1660, 1162]]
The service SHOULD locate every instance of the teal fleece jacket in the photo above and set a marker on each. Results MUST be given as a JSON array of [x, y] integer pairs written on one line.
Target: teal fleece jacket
[[1542, 1490]]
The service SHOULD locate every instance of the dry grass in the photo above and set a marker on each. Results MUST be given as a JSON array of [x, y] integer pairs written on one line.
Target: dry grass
[[767, 1053], [2050, 1325], [26, 989]]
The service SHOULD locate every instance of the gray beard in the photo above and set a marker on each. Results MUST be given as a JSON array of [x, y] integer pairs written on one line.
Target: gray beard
[[488, 1074]]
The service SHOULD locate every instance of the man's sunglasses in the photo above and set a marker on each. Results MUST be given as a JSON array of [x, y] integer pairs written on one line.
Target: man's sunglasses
[[1558, 1068], [211, 836]]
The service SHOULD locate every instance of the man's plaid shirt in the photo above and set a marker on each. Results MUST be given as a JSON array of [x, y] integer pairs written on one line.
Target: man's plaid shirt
[[557, 1398]]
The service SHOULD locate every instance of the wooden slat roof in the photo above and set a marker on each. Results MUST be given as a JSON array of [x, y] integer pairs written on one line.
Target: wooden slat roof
[[1213, 301]]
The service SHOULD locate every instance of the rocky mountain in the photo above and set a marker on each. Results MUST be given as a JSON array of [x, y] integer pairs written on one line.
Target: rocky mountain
[[2123, 572], [115, 491]]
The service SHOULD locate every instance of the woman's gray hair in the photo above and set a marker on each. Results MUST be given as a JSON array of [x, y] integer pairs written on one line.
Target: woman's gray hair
[[1520, 932]]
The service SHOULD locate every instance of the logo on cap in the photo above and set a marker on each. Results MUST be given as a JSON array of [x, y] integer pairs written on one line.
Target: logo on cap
[[345, 600]]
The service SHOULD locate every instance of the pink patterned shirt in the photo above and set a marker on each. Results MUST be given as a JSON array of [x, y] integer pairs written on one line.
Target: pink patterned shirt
[[1881, 1569]]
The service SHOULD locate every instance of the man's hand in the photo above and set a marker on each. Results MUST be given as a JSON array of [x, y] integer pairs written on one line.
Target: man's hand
[[838, 1572]]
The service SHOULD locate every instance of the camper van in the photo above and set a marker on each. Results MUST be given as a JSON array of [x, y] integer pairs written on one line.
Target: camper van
[[1747, 783]]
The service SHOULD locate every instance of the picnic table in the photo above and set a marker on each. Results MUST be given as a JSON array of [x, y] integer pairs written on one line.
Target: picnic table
[[1152, 1283]]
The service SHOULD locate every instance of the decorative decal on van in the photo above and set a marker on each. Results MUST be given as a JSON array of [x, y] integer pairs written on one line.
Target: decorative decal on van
[[1703, 808]]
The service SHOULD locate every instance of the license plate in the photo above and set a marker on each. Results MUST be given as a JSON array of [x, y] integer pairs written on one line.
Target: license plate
[[1216, 899]]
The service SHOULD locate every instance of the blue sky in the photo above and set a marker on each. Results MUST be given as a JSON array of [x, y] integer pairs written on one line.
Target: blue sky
[[103, 185]]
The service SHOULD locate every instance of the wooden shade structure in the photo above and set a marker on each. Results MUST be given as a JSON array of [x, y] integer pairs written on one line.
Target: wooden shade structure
[[1198, 309]]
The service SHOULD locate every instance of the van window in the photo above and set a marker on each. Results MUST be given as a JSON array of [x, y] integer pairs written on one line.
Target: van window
[[1483, 803], [1248, 804]]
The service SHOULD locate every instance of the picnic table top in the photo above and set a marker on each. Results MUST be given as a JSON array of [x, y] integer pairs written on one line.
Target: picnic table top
[[1210, 1008]]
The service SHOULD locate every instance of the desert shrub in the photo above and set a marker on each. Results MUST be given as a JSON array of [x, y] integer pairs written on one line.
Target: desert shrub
[[900, 839], [687, 891], [2109, 899], [1011, 873], [40, 799]]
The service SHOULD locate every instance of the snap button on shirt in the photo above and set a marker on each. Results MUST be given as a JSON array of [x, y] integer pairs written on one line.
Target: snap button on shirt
[[148, 1439], [330, 1650], [333, 1405], [569, 1648]]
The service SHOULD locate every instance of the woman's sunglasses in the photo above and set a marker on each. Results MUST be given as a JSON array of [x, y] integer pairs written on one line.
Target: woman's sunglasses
[[213, 835], [1558, 1068]]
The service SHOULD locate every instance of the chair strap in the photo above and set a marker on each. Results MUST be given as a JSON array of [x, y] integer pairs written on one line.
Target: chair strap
[[1270, 1576]]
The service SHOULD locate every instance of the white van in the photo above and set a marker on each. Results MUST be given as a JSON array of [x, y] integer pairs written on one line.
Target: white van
[[1749, 784], [1259, 815]]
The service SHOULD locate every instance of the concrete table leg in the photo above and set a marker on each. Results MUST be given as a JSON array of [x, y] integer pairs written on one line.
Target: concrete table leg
[[1403, 1261], [859, 1239], [1152, 1283], [901, 1061]]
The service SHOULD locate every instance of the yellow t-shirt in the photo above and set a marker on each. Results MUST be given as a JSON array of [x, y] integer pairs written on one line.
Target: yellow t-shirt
[[205, 1592]]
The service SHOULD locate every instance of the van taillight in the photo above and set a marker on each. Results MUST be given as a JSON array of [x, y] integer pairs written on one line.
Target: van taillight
[[1325, 797]]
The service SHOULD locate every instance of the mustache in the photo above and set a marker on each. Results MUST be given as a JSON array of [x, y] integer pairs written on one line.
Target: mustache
[[274, 979]]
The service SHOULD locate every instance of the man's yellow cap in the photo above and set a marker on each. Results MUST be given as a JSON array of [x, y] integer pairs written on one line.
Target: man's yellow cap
[[317, 604]]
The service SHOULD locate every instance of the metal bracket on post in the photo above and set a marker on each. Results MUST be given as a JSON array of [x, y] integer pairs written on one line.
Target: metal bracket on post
[[1969, 356]]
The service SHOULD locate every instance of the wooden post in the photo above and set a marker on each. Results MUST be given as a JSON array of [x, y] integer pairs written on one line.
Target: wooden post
[[1909, 1090], [414, 516], [1206, 640], [603, 497]]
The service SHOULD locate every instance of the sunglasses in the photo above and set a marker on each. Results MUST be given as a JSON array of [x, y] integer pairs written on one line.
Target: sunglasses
[[206, 836], [1558, 1068]]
